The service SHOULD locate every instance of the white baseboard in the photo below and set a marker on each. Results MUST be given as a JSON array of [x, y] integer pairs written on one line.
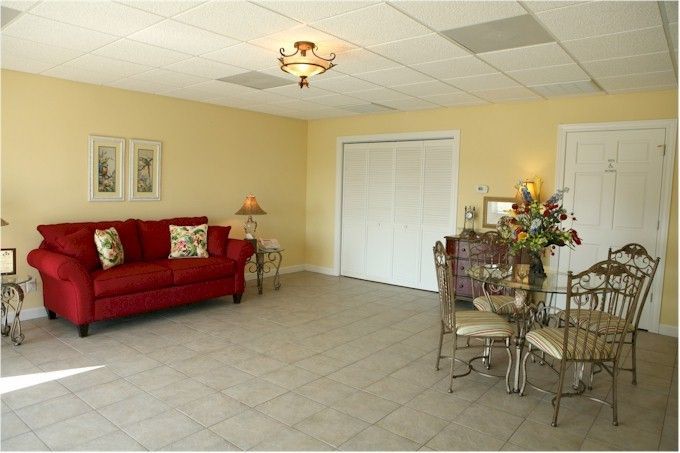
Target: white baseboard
[[29, 313], [320, 270], [667, 329], [283, 270]]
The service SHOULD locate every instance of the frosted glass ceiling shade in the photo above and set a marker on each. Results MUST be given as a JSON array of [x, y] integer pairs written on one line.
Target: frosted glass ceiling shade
[[304, 62]]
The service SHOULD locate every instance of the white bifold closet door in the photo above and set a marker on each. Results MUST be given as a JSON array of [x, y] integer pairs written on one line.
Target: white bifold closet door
[[397, 200]]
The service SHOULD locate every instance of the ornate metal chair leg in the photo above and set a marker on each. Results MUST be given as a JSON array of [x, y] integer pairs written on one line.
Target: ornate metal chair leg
[[524, 374], [488, 357], [615, 412], [507, 372], [558, 397], [453, 360], [441, 341], [634, 356]]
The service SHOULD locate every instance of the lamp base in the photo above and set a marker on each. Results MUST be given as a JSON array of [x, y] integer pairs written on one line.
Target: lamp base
[[249, 227]]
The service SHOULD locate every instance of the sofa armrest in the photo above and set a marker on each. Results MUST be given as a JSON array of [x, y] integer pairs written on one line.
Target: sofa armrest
[[67, 285], [239, 251]]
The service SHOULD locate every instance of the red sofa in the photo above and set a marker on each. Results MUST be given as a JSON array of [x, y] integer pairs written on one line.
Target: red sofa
[[78, 289]]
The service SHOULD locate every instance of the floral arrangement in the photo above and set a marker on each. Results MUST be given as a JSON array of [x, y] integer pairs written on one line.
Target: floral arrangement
[[533, 225]]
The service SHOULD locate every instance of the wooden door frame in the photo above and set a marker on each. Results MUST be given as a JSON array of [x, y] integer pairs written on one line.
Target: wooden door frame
[[453, 134], [670, 125]]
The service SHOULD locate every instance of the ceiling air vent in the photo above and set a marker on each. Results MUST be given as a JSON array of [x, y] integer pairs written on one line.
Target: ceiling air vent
[[257, 80]]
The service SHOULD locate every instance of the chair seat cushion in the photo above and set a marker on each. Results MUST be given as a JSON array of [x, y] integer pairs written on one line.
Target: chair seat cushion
[[475, 323], [501, 304], [195, 270], [597, 321], [580, 347], [130, 278]]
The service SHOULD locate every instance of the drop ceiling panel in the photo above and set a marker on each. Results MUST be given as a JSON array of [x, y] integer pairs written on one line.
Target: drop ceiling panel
[[17, 62], [325, 43], [337, 100], [550, 74], [312, 11], [165, 8], [169, 78], [140, 53], [369, 108], [110, 65], [7, 15], [394, 76], [236, 19], [673, 30], [107, 17], [506, 94], [421, 49], [21, 5], [671, 10], [378, 95], [625, 44], [182, 38], [548, 54], [585, 20], [191, 93], [537, 6], [245, 56], [483, 82], [458, 67], [410, 104], [46, 31], [362, 60], [359, 27], [567, 89], [203, 67], [140, 85], [454, 99], [445, 15], [81, 75], [653, 62], [295, 92], [664, 79], [219, 88], [345, 84], [36, 51], [426, 88]]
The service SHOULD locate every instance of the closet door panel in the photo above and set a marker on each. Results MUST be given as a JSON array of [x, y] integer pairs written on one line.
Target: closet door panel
[[354, 207], [379, 237]]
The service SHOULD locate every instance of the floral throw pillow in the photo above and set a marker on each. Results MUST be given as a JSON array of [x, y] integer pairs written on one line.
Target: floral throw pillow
[[189, 241], [109, 247]]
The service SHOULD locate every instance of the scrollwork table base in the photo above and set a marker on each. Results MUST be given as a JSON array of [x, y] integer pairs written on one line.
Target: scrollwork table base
[[265, 261]]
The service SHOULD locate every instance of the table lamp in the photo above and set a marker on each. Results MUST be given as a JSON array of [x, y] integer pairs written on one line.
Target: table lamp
[[250, 208]]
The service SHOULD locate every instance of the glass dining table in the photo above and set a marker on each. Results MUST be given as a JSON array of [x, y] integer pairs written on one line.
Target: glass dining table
[[533, 302]]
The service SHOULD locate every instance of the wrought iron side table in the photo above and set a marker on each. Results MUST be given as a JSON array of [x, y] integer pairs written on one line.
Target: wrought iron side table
[[13, 299], [264, 260]]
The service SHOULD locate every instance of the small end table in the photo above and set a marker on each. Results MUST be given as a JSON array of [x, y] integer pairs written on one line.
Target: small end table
[[13, 299], [265, 260]]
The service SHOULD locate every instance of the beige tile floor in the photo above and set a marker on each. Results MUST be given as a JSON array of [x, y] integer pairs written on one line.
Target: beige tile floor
[[325, 363]]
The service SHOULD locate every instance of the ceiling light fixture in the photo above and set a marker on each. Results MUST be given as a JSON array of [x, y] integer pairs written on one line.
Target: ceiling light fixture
[[304, 62]]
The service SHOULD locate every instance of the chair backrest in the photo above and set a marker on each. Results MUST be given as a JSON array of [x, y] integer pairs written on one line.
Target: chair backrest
[[488, 249], [602, 301], [446, 283], [635, 257]]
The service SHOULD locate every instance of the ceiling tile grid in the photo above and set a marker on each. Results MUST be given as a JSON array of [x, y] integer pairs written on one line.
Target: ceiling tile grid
[[390, 55]]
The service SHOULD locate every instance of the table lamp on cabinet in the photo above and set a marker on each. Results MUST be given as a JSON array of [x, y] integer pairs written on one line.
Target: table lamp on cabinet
[[250, 208]]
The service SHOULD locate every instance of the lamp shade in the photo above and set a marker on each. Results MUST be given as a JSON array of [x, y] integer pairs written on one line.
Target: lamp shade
[[3, 222], [250, 207]]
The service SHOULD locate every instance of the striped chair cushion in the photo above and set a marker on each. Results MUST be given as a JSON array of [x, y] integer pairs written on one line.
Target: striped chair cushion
[[597, 321], [501, 304], [580, 347], [474, 323]]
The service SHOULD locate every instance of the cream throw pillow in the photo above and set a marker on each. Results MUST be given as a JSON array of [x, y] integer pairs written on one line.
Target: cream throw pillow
[[189, 241], [109, 247]]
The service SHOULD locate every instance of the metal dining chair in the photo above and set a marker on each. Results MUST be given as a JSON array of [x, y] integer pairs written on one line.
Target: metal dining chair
[[489, 250], [605, 298], [467, 323]]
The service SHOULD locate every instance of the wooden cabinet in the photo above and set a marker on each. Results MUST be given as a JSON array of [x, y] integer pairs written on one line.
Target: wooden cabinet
[[459, 249]]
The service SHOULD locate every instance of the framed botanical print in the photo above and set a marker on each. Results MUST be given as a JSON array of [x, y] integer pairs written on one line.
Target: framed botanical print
[[145, 170], [8, 261], [106, 168]]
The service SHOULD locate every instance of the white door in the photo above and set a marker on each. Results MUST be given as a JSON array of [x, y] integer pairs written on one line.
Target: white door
[[354, 197], [380, 212], [615, 181]]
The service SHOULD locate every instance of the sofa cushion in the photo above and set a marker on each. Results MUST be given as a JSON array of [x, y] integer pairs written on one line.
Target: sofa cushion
[[80, 245], [194, 270], [127, 231], [218, 236], [189, 241], [155, 235], [130, 278]]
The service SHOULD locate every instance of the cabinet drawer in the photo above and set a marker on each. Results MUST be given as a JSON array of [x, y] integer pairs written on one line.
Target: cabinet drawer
[[463, 250], [463, 287]]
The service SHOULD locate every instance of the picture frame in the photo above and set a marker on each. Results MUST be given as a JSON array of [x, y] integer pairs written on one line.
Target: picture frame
[[494, 209], [106, 168], [8, 261], [145, 170]]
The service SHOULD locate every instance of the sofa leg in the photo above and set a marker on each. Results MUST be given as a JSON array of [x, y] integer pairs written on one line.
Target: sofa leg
[[237, 298], [82, 330], [51, 314]]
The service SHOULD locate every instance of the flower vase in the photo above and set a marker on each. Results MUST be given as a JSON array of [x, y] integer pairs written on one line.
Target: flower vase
[[536, 271]]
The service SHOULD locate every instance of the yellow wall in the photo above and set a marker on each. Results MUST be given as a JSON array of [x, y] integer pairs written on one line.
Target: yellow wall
[[499, 144], [212, 157]]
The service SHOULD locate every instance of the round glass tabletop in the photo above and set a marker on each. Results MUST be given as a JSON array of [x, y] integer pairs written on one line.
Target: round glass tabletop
[[16, 279], [517, 277]]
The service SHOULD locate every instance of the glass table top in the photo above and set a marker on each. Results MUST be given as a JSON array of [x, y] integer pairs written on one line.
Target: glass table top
[[516, 277], [16, 279]]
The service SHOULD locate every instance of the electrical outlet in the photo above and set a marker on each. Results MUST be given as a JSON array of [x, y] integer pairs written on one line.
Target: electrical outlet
[[482, 188]]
